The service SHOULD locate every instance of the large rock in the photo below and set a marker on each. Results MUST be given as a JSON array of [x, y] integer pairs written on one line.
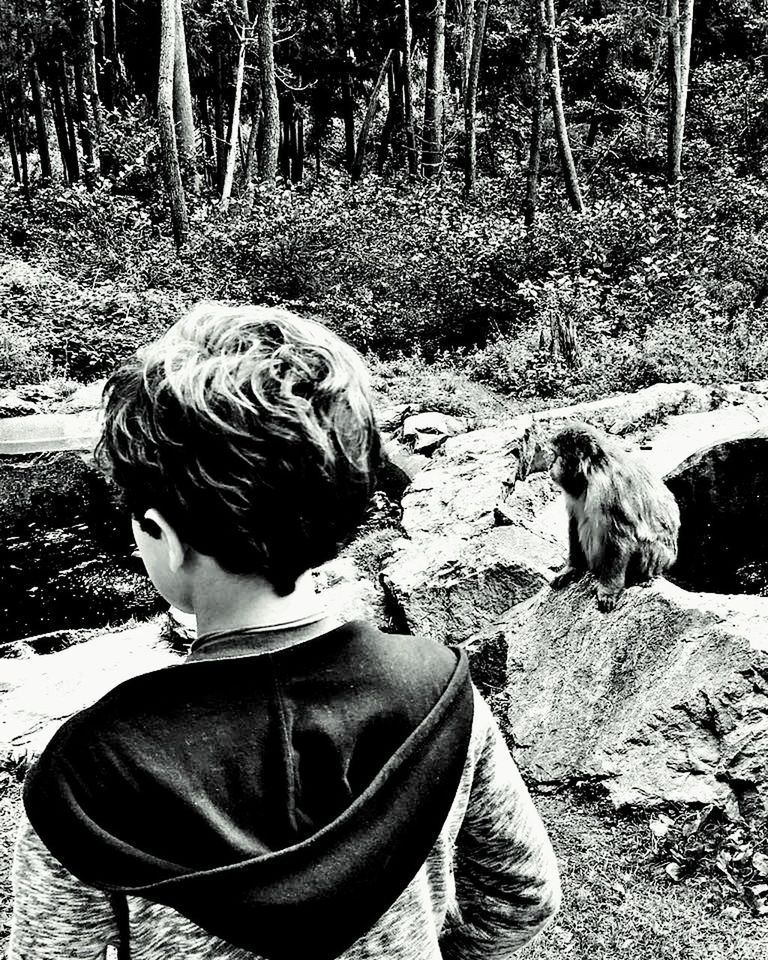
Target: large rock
[[40, 692], [348, 594], [723, 513], [451, 587], [451, 575], [663, 700]]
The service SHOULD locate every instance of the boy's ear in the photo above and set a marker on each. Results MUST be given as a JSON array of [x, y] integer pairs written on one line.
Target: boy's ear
[[177, 551]]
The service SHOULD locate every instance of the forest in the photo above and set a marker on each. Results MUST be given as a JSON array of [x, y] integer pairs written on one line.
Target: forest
[[553, 199]]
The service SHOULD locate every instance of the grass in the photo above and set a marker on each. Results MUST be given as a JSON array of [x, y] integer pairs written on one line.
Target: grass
[[616, 903]]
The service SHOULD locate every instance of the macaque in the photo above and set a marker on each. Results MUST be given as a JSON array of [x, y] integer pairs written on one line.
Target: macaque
[[622, 520]]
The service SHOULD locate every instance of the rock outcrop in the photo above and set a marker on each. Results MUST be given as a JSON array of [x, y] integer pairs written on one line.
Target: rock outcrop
[[663, 700], [482, 523], [40, 692]]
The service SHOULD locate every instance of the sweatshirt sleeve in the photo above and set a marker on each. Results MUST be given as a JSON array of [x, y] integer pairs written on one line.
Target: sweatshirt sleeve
[[55, 915], [507, 881]]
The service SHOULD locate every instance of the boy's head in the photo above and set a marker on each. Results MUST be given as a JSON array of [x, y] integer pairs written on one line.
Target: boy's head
[[250, 430]]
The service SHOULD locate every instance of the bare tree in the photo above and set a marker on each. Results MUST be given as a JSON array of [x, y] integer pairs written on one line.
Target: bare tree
[[270, 139], [467, 32], [537, 131], [410, 135], [253, 142], [88, 93], [244, 35], [38, 105], [680, 25], [10, 131], [182, 107], [432, 136], [59, 121], [168, 148], [69, 112], [470, 103], [548, 27], [365, 129], [343, 14]]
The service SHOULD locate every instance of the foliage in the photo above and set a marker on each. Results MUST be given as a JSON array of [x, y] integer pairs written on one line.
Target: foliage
[[705, 844], [656, 288]]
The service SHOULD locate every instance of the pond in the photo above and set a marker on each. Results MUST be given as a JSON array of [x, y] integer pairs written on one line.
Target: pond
[[66, 554]]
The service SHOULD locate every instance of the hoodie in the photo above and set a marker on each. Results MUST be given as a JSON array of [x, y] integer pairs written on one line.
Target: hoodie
[[279, 800]]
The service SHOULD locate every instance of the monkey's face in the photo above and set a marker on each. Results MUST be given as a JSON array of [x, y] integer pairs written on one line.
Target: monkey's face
[[567, 471]]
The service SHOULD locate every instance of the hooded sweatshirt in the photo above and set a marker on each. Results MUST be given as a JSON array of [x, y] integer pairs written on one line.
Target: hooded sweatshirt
[[280, 802]]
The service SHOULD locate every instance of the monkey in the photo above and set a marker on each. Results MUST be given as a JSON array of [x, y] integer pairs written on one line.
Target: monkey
[[623, 522]]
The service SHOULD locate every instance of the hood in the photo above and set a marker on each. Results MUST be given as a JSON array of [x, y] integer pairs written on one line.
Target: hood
[[281, 801]]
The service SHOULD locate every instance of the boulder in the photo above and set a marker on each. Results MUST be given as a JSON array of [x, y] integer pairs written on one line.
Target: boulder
[[40, 692], [492, 477], [348, 594], [425, 432], [41, 432], [663, 700], [84, 398], [452, 587], [12, 405], [724, 515]]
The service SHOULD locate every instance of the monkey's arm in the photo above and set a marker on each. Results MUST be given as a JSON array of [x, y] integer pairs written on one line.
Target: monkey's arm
[[577, 563]]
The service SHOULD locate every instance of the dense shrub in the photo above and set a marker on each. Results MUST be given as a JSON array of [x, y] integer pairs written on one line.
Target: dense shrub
[[656, 287]]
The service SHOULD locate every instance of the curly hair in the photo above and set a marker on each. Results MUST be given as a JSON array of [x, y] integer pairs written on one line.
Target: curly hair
[[251, 430]]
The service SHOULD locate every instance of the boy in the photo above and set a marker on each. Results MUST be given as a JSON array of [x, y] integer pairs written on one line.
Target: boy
[[297, 788]]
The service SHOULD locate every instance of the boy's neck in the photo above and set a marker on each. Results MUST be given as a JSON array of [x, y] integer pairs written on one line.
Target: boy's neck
[[226, 603]]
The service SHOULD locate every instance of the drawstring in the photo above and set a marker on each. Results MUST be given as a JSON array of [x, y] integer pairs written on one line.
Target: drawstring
[[122, 951]]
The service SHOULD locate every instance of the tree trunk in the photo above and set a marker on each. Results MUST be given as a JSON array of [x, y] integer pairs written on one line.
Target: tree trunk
[[66, 86], [59, 121], [410, 135], [432, 136], [297, 167], [91, 102], [393, 111], [347, 99], [270, 141], [548, 26], [209, 149], [370, 113], [537, 133], [83, 128], [20, 119], [284, 148], [219, 140], [679, 63], [658, 47], [182, 108], [43, 150], [111, 72], [470, 104], [10, 132], [468, 32], [249, 168], [168, 149], [234, 120]]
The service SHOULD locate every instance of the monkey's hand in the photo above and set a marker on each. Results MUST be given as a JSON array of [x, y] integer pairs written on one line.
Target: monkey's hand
[[565, 576], [606, 599]]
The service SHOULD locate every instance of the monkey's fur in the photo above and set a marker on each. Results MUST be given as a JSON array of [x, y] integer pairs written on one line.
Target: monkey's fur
[[622, 520]]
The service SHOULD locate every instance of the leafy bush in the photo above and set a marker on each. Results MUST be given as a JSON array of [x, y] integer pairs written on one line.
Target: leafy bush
[[704, 843], [654, 287]]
